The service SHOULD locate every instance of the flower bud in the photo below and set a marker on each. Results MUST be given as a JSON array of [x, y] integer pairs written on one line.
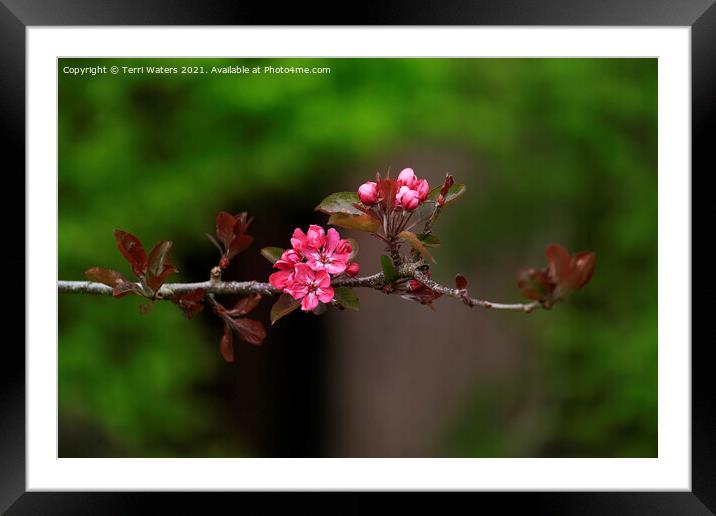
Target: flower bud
[[368, 193], [447, 184], [407, 178], [344, 247], [410, 200], [423, 188], [353, 269]]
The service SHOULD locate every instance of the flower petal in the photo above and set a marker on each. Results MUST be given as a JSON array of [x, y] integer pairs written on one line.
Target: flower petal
[[323, 279], [309, 302], [332, 241], [303, 273], [325, 294], [336, 266], [279, 279]]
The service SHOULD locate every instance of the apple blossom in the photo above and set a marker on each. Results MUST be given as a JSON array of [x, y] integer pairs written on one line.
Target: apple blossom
[[331, 257], [310, 287]]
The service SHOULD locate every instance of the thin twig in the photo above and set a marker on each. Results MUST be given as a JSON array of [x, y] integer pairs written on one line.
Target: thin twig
[[470, 301], [375, 281]]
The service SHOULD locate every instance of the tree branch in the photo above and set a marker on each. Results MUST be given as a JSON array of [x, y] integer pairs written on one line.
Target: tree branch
[[470, 301], [375, 281]]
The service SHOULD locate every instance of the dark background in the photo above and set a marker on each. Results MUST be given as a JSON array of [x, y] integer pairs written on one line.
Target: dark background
[[551, 150]]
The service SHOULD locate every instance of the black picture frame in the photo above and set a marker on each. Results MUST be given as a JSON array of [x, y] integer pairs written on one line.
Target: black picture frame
[[17, 15]]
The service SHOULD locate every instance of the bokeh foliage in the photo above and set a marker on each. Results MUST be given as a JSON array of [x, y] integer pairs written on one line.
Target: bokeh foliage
[[556, 149]]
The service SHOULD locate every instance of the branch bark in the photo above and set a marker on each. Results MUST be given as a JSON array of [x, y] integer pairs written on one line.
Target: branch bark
[[375, 281]]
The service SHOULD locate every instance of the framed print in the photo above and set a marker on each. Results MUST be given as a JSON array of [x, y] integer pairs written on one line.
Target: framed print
[[417, 253]]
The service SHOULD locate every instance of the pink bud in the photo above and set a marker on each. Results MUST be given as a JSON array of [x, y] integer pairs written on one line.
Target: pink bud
[[407, 178], [399, 195], [344, 247], [368, 193], [353, 269], [410, 200], [423, 188]]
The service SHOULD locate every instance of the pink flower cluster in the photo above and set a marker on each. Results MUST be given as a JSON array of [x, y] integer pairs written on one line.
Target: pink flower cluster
[[304, 272], [411, 191]]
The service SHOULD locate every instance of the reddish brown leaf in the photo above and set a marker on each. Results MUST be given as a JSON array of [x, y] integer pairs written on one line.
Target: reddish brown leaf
[[160, 265], [249, 330], [447, 184], [132, 250], [126, 287], [535, 284], [244, 305], [107, 277], [225, 223], [243, 221], [460, 282], [158, 256], [581, 269], [387, 188], [155, 282], [190, 303], [226, 346], [238, 245], [557, 263]]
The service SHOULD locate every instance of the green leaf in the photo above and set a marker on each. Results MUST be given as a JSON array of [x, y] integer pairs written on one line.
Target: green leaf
[[340, 202], [429, 240], [389, 271], [360, 222], [347, 298], [272, 254], [424, 211], [283, 306], [412, 239], [454, 192]]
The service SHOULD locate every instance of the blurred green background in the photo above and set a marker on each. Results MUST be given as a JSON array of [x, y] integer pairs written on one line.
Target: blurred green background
[[558, 150]]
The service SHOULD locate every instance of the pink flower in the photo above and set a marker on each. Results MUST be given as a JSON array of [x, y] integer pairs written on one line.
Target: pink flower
[[352, 269], [332, 257], [407, 178], [286, 265], [313, 239], [407, 198], [310, 286], [368, 193], [423, 188]]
